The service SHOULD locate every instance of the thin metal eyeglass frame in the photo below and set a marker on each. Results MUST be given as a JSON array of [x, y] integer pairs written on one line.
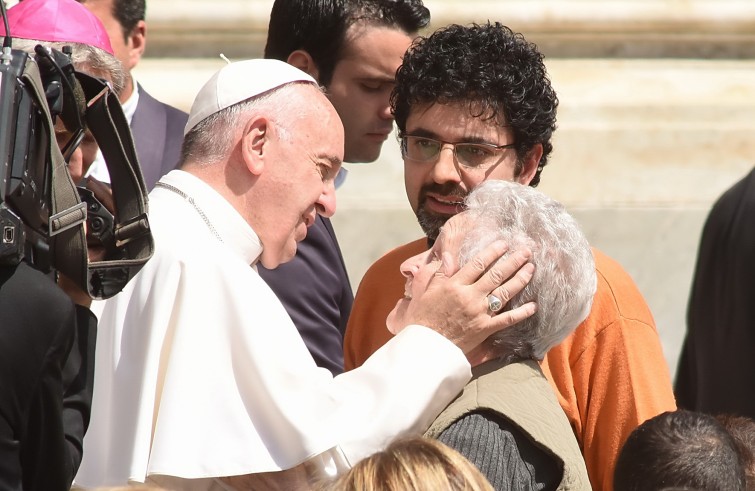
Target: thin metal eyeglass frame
[[403, 145]]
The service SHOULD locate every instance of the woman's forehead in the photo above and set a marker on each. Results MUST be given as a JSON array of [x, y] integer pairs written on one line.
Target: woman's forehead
[[454, 229]]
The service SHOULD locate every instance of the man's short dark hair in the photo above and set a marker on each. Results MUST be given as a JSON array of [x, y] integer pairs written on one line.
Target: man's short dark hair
[[679, 449], [319, 26], [742, 429], [128, 13], [496, 72]]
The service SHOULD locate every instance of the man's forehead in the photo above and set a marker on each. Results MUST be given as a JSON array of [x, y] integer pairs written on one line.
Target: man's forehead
[[466, 109], [361, 28], [323, 128], [459, 120], [326, 113], [377, 49]]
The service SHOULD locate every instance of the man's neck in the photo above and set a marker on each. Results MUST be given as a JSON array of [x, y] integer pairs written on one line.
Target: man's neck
[[128, 89]]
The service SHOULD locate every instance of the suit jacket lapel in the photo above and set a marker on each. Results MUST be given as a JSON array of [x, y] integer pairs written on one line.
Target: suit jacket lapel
[[148, 127]]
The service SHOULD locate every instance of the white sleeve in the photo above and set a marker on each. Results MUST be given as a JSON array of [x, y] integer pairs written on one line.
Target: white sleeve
[[248, 385], [399, 390], [209, 377]]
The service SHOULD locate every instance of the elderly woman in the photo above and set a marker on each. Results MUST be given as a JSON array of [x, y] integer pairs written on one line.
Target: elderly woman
[[507, 421]]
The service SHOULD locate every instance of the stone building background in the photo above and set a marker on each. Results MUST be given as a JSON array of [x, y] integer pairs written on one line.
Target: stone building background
[[655, 121]]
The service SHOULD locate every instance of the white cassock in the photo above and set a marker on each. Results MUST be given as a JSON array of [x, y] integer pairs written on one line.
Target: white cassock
[[200, 373]]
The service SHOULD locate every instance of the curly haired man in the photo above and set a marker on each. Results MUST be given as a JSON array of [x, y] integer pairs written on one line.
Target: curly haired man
[[487, 85]]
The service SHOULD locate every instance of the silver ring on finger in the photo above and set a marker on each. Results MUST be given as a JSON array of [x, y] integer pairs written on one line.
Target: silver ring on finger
[[494, 303]]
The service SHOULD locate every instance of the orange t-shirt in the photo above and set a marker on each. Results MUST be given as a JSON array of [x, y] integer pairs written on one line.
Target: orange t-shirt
[[609, 374]]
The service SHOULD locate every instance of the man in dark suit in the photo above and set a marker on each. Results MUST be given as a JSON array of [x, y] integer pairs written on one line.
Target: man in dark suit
[[716, 360], [352, 49], [157, 127], [158, 133]]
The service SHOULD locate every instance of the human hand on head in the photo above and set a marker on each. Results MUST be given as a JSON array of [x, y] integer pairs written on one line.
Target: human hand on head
[[455, 303]]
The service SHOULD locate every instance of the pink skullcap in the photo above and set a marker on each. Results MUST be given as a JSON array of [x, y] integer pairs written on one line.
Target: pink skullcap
[[65, 21]]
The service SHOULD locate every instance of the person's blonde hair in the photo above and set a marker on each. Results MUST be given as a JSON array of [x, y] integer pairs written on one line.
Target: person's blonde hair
[[414, 464], [137, 487]]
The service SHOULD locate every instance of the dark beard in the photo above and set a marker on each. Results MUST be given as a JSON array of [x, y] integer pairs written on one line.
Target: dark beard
[[431, 222]]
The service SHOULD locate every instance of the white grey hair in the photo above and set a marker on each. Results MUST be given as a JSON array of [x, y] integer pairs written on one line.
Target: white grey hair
[[564, 282], [86, 59], [211, 140]]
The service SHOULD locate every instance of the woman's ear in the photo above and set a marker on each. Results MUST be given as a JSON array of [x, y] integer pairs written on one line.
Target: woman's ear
[[304, 62]]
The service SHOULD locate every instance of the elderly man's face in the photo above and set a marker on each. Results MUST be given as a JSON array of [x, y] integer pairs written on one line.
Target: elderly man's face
[[436, 189], [307, 156], [361, 87], [420, 269]]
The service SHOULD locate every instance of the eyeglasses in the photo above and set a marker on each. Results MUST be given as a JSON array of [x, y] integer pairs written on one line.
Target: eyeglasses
[[469, 155]]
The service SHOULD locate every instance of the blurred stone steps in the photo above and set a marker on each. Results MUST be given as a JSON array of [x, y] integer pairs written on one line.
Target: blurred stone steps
[[631, 132], [562, 28]]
